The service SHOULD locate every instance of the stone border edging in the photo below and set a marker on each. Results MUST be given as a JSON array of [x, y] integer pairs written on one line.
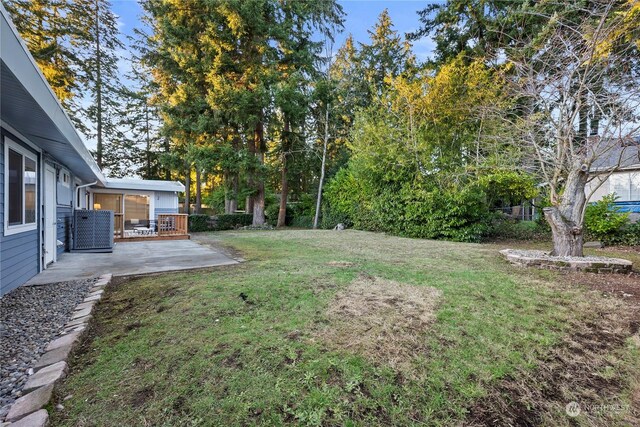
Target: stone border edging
[[51, 367], [588, 265]]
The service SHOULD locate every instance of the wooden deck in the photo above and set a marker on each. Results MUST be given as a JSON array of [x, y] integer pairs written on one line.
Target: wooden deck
[[168, 227]]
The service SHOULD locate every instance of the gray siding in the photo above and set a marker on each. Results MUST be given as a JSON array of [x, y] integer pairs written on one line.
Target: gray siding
[[19, 254], [165, 211]]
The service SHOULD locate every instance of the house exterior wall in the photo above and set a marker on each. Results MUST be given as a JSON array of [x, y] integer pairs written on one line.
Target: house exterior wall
[[64, 216], [19, 252], [64, 207], [166, 202], [626, 185]]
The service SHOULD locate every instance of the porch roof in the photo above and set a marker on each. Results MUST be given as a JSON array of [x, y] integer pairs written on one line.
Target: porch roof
[[143, 184], [29, 108]]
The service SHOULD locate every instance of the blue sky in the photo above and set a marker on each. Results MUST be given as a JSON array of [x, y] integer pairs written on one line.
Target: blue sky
[[360, 16]]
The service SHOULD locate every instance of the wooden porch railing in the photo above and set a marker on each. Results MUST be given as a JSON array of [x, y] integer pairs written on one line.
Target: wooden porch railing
[[173, 224]]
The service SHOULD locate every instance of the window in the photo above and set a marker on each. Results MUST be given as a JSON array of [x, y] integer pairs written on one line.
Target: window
[[626, 186], [65, 179], [635, 186], [21, 179]]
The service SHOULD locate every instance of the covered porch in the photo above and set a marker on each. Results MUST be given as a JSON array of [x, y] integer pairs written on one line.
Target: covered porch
[[143, 209]]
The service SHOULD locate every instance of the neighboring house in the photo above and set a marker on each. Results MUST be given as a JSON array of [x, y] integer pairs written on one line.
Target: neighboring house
[[624, 182], [46, 172]]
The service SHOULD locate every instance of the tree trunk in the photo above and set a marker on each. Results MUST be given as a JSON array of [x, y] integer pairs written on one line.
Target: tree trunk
[[282, 213], [148, 144], [198, 206], [98, 87], [324, 160], [233, 174], [567, 237], [167, 149], [251, 147], [566, 219], [187, 191], [284, 194], [233, 203], [227, 201], [258, 200]]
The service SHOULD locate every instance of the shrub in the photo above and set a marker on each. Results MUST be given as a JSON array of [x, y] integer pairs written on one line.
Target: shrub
[[511, 187], [271, 215], [330, 218], [411, 209], [459, 214], [198, 223], [302, 221], [603, 219], [230, 221], [509, 229], [627, 236]]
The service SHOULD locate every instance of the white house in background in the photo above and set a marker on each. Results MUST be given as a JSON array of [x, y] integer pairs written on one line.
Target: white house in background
[[624, 182], [46, 171]]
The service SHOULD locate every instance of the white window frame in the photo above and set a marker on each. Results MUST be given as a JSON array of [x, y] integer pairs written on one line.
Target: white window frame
[[19, 228]]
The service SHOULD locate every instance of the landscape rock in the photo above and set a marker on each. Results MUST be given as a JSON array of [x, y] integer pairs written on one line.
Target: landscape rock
[[46, 376], [93, 298], [81, 313], [63, 341], [30, 402], [78, 321], [84, 305], [589, 264], [59, 354], [37, 419]]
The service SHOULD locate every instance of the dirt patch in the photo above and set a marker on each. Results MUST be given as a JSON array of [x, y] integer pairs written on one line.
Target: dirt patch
[[586, 367], [341, 264], [140, 397], [381, 320], [625, 286]]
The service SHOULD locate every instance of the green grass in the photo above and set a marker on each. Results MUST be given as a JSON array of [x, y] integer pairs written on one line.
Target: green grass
[[185, 349]]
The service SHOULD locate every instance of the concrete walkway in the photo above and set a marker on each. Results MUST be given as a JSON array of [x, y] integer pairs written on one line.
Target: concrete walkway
[[131, 258]]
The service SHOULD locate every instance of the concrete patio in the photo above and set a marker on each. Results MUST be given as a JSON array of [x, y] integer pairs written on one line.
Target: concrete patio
[[133, 258]]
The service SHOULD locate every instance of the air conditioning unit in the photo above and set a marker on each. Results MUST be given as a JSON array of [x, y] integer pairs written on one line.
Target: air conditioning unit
[[92, 231]]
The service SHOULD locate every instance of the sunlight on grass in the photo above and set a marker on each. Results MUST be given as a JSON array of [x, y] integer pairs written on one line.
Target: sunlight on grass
[[239, 345]]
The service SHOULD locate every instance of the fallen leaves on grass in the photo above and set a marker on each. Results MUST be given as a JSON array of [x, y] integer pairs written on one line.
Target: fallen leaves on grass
[[382, 320]]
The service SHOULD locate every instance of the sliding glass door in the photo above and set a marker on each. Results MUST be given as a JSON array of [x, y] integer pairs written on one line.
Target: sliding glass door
[[136, 212]]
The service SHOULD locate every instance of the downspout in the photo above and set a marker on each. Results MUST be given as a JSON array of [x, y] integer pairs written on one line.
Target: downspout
[[78, 192]]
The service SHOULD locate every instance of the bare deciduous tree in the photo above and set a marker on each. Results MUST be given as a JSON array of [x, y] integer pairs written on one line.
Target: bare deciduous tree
[[578, 109]]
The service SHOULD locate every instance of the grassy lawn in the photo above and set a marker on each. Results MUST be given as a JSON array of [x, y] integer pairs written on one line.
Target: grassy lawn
[[449, 335]]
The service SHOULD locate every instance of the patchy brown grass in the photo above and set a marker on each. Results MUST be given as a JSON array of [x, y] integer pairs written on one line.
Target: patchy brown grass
[[585, 367], [341, 264], [382, 320]]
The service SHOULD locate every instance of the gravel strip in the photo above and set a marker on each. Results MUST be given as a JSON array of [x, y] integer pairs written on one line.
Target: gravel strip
[[30, 317], [546, 256]]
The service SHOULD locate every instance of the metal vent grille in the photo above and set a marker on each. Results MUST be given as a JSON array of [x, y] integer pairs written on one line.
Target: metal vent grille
[[93, 230]]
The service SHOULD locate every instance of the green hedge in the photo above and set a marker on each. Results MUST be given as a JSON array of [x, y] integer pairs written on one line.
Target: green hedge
[[509, 229], [230, 221], [302, 221], [218, 222], [198, 223], [626, 236]]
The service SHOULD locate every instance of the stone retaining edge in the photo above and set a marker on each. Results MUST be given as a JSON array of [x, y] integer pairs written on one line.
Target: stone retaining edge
[[610, 265], [51, 367]]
